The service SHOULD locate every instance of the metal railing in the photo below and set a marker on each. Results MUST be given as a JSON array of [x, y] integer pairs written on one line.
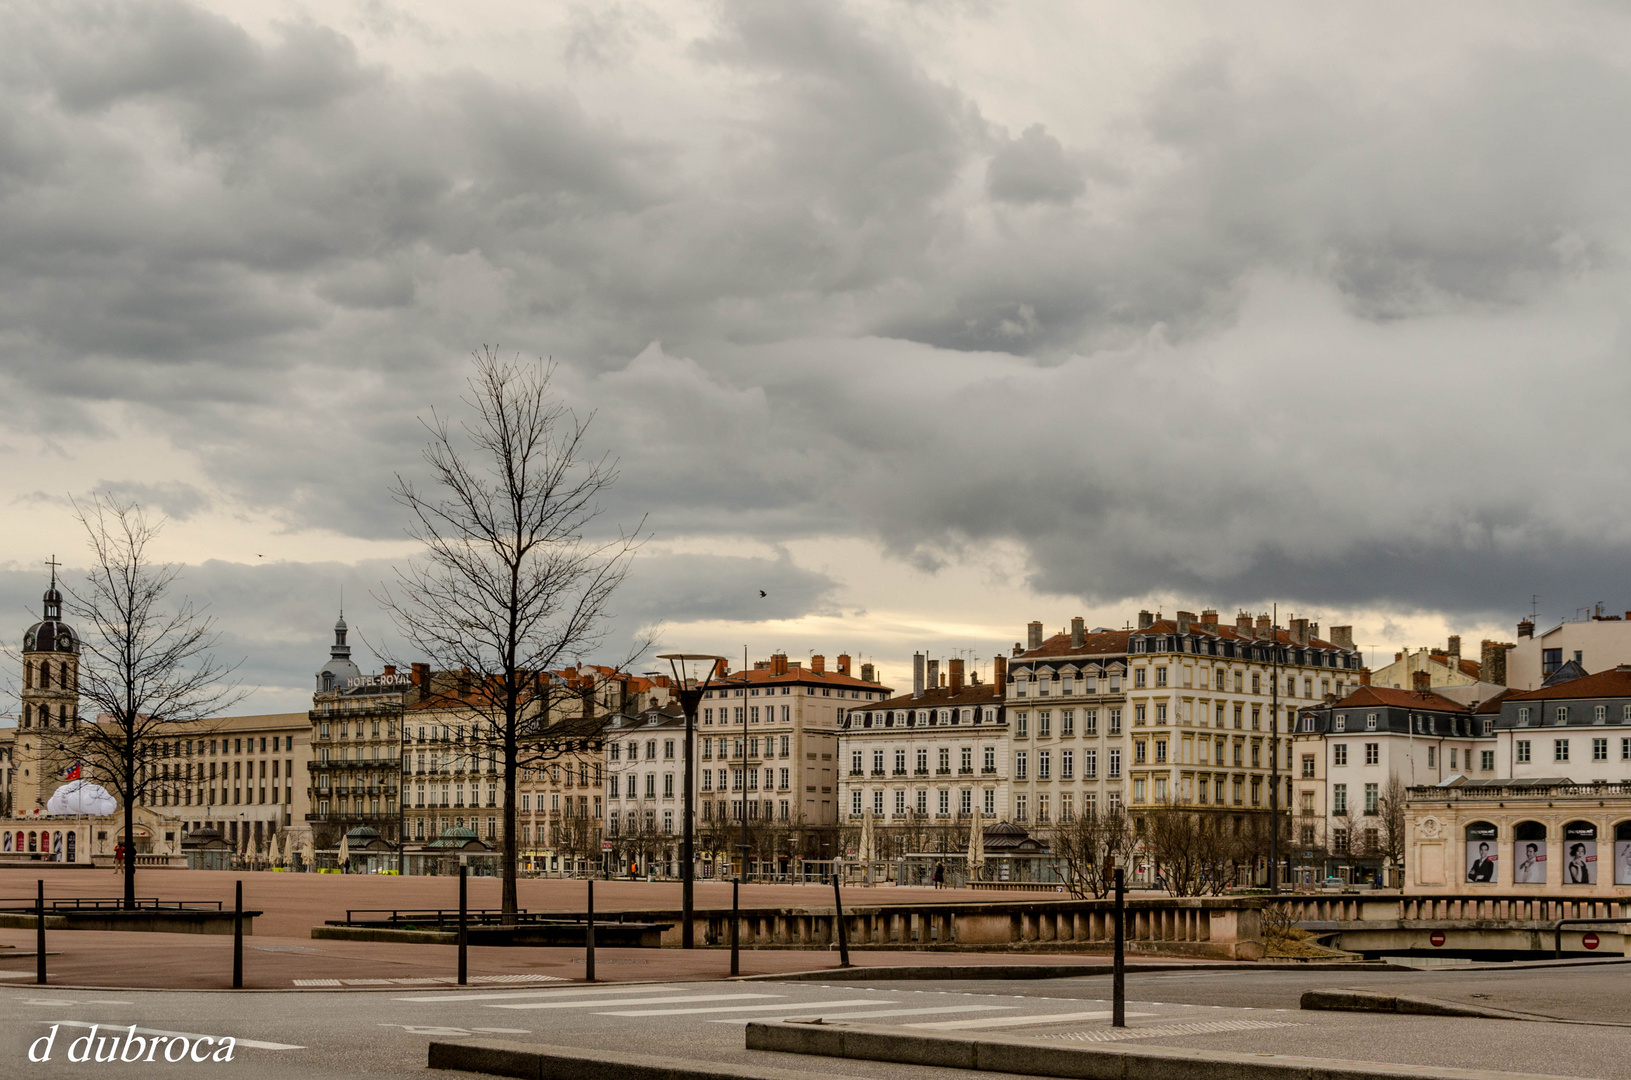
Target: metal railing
[[114, 903]]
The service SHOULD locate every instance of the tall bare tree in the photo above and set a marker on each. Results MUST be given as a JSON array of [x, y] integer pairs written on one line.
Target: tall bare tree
[[1087, 845], [1390, 840], [147, 672], [511, 583]]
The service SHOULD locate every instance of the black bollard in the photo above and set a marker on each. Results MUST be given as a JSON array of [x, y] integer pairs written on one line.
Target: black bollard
[[736, 953], [1118, 1016], [39, 936], [464, 935], [838, 924], [589, 937], [238, 939]]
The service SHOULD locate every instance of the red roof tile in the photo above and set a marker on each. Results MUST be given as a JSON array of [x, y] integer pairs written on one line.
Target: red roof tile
[[1402, 699], [1615, 682]]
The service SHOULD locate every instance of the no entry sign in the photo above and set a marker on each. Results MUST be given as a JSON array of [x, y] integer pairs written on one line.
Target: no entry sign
[[1589, 940], [1437, 938]]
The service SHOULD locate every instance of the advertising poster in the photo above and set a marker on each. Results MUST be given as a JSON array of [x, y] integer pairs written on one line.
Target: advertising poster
[[1529, 862], [1481, 851], [1622, 855], [1580, 853]]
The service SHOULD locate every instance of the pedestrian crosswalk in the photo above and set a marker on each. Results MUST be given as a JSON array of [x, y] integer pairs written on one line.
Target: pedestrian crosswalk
[[433, 980], [736, 1003]]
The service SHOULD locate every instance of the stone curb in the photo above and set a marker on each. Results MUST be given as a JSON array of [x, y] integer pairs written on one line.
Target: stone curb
[[540, 1061], [1370, 1001], [1009, 1054]]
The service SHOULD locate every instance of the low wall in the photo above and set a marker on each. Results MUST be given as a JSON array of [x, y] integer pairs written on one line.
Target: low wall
[[139, 921], [1459, 923]]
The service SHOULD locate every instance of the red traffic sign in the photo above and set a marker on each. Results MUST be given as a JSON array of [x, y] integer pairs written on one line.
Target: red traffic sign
[[1589, 940], [1437, 938]]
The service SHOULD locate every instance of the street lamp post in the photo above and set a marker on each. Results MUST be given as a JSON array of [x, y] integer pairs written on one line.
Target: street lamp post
[[690, 693]]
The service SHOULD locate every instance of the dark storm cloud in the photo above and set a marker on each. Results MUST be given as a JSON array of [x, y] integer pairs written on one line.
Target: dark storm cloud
[[1269, 328]]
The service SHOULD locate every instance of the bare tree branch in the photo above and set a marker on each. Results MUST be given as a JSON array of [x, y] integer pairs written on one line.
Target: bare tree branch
[[511, 584]]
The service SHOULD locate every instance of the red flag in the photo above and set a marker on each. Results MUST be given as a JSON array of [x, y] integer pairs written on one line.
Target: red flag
[[72, 772]]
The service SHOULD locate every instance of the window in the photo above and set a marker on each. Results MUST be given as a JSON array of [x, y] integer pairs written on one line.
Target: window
[[990, 759], [1560, 749], [1090, 722], [1625, 749], [1139, 747], [1115, 721], [1523, 750], [1339, 841], [1600, 714], [1432, 758], [1486, 760], [1138, 677], [1339, 799], [1090, 763], [1114, 765], [1599, 749], [1561, 715], [1067, 723], [1161, 676], [1370, 721], [1020, 765], [1140, 717], [1067, 764], [1308, 766], [1373, 753], [1371, 798], [1160, 751], [1523, 717], [1019, 724], [1340, 723], [1044, 724], [989, 807]]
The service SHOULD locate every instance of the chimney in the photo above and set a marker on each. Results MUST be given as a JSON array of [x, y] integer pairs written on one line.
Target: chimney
[[1421, 681], [843, 663], [1018, 648], [1033, 635], [421, 677], [1299, 630], [1364, 676], [1145, 620], [1454, 650], [1526, 629], [1209, 620], [818, 664], [1313, 632], [722, 667], [778, 663], [917, 675], [999, 675], [1492, 662], [867, 673], [1342, 637], [932, 680], [1243, 623], [956, 667], [1184, 619], [390, 669], [1078, 633], [1263, 629]]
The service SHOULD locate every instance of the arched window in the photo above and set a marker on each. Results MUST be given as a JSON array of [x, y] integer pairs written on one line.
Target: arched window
[[45, 674], [28, 676], [1580, 853], [62, 675], [1529, 853], [1482, 851]]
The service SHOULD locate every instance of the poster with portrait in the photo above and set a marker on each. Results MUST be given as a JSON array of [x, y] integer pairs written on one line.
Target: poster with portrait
[[1622, 853], [1481, 852], [1529, 853], [1579, 853]]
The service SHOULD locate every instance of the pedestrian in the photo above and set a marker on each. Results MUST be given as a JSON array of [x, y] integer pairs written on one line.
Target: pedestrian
[[118, 857], [940, 875]]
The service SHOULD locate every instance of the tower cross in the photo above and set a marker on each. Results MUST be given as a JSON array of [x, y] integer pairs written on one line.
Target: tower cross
[[53, 564]]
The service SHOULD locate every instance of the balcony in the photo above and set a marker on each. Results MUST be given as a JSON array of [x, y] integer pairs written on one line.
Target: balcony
[[943, 772], [877, 772], [966, 770], [989, 770], [899, 772], [923, 771]]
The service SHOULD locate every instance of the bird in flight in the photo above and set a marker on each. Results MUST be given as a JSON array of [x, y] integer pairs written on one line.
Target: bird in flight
[[761, 594]]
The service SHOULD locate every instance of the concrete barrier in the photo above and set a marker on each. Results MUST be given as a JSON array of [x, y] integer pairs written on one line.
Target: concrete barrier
[[1025, 1057], [538, 1061]]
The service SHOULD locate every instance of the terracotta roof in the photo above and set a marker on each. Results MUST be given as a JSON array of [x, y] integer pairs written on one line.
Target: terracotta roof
[[1472, 668], [942, 697], [1615, 682], [1493, 705], [764, 676], [1105, 643], [1228, 632], [1400, 699]]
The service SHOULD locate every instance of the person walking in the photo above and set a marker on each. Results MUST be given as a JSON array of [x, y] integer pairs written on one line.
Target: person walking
[[940, 875], [118, 857]]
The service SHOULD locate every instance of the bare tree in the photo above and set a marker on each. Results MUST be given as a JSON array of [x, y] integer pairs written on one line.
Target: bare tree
[[1087, 845], [147, 668], [511, 583], [1195, 850], [1391, 836]]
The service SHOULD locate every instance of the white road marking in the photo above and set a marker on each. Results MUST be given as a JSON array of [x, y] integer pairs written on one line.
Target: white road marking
[[815, 1011], [252, 1044], [556, 993], [1018, 1021], [504, 1031], [778, 1007], [624, 1001], [66, 1001]]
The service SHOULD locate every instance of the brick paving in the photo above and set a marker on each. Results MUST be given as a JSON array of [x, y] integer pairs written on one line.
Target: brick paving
[[281, 952]]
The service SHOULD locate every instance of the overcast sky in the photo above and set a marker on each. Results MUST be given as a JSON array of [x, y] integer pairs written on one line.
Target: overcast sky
[[927, 319]]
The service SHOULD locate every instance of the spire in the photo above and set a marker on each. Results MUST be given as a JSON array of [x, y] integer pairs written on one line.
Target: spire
[[340, 650], [53, 598]]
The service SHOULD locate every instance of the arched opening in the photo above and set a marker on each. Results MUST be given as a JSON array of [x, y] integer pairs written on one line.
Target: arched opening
[[45, 674], [1529, 853], [1580, 853], [1482, 852], [1622, 853]]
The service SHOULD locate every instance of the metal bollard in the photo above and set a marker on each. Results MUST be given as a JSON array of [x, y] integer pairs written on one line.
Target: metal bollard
[[589, 937], [39, 935], [838, 921], [464, 932], [736, 919], [1118, 1008], [238, 939]]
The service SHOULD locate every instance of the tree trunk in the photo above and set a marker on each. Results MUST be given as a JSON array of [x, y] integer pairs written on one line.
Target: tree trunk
[[130, 843], [507, 850]]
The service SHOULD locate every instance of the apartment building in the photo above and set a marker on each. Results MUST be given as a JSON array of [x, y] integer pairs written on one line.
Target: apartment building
[[355, 768], [1576, 729], [1347, 755], [1595, 642], [768, 744], [645, 796], [932, 759]]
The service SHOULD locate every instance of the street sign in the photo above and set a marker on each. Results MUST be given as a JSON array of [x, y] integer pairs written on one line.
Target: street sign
[[1437, 938], [605, 845], [1589, 940]]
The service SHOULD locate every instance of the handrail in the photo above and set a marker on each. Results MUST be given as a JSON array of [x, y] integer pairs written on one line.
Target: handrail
[[1557, 931]]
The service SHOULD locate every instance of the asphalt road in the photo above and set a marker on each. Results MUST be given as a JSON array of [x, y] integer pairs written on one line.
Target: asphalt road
[[372, 1034]]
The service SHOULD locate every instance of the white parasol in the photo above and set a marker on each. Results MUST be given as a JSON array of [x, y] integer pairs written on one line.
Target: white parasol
[[976, 849], [345, 850], [868, 850], [308, 852]]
